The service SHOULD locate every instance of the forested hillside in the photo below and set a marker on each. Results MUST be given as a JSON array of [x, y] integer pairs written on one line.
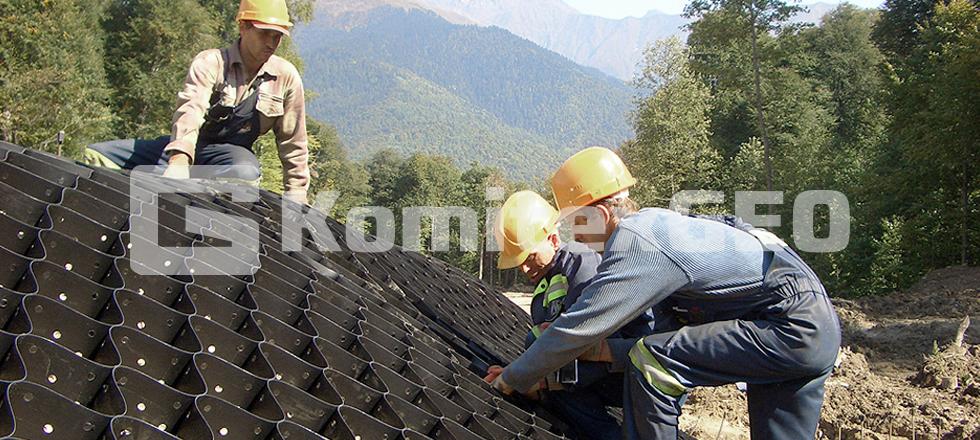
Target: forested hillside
[[876, 105], [415, 82], [376, 105]]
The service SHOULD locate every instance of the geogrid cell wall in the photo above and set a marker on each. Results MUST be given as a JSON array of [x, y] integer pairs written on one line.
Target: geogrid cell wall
[[311, 344]]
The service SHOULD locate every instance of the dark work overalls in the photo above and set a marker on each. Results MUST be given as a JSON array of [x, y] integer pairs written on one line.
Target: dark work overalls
[[781, 339], [582, 403], [225, 139]]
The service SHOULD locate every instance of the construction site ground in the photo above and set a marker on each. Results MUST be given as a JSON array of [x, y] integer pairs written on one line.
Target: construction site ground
[[903, 371]]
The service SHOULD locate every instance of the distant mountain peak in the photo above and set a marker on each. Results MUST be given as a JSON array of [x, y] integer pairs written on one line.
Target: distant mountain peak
[[656, 13], [609, 45], [339, 8]]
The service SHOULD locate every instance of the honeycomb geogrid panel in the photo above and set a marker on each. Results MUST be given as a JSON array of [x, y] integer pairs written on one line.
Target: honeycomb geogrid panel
[[309, 344]]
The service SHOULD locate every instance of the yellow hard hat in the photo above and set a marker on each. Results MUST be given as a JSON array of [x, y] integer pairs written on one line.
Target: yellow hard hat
[[525, 221], [265, 14], [589, 176]]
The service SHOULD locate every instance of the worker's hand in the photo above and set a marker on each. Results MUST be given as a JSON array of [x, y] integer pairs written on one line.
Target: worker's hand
[[598, 353], [178, 167], [492, 373], [496, 380]]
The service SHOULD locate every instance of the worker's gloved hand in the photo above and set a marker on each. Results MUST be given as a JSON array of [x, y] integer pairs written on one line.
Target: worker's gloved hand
[[179, 167], [598, 353]]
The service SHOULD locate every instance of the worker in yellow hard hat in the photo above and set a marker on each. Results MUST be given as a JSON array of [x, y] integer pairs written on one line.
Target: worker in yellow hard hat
[[527, 232], [748, 309], [230, 97]]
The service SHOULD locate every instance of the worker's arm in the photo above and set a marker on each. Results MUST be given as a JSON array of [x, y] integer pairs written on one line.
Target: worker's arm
[[290, 130], [611, 350], [192, 104], [633, 276]]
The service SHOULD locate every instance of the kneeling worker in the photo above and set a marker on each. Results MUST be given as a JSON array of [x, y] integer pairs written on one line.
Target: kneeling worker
[[753, 311], [527, 232], [231, 96]]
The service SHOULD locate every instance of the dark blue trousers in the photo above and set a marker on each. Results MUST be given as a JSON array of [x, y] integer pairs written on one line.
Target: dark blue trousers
[[583, 405], [130, 153], [785, 354]]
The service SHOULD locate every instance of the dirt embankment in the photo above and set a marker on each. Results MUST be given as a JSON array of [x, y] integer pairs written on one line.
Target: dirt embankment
[[903, 373]]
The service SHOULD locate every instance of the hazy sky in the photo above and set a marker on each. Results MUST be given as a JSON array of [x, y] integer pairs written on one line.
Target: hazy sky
[[638, 8]]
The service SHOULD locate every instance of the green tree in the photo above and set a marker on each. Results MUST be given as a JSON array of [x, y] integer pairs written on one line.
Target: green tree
[[267, 151], [383, 168], [745, 171], [427, 181], [897, 32], [936, 123], [840, 58], [889, 267], [422, 180], [752, 19], [52, 76], [148, 50], [671, 151], [846, 62], [332, 171], [477, 180]]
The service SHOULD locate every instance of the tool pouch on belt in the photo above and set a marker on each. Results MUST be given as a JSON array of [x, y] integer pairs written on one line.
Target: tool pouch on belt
[[217, 113], [231, 124]]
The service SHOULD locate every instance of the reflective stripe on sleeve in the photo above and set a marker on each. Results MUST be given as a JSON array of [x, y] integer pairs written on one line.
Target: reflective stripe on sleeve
[[557, 289]]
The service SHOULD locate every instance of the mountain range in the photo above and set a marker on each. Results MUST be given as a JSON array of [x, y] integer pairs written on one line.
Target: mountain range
[[614, 46], [512, 83], [403, 77]]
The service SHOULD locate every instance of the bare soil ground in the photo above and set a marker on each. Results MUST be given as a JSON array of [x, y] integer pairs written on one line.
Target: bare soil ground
[[903, 372]]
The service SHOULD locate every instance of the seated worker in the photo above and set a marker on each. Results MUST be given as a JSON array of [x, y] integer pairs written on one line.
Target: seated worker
[[527, 232], [753, 311], [231, 96]]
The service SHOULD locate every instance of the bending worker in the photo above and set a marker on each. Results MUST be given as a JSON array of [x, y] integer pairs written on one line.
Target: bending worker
[[231, 96], [527, 231], [754, 312]]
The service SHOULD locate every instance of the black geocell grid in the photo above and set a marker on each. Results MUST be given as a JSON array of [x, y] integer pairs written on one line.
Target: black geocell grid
[[313, 344]]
